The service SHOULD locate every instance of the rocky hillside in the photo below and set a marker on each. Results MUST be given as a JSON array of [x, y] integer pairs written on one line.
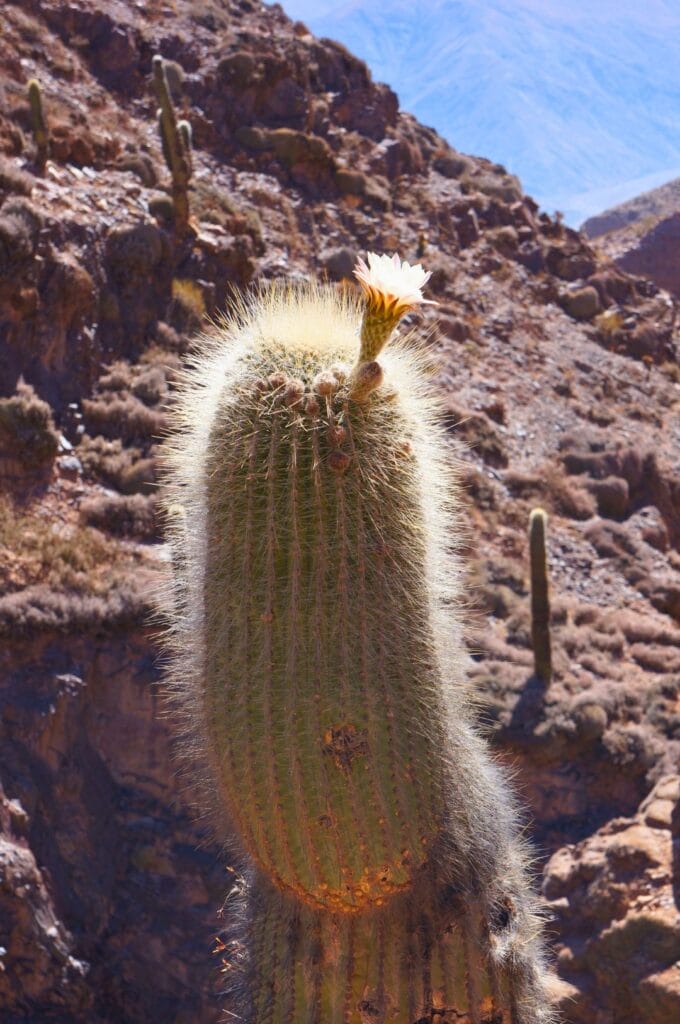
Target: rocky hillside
[[559, 373]]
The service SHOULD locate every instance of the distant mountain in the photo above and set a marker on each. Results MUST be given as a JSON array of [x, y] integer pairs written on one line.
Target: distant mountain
[[650, 208], [580, 99], [643, 235]]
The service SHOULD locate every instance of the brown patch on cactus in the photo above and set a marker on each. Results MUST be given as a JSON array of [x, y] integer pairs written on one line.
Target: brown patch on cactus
[[337, 435], [325, 383], [276, 380], [371, 890], [338, 461], [371, 1011], [345, 743], [294, 393]]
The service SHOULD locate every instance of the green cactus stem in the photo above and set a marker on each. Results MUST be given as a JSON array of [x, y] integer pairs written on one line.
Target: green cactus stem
[[324, 633], [176, 144], [540, 595], [38, 123], [430, 959], [319, 670]]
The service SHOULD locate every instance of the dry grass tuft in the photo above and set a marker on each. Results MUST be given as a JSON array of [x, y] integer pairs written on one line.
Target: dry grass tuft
[[36, 549], [123, 515], [117, 466]]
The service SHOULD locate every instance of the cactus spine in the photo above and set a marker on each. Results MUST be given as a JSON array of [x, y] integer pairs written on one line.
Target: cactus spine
[[318, 667], [176, 144], [540, 595], [38, 123]]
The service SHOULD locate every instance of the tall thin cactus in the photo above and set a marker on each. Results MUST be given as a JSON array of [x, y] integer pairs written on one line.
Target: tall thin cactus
[[540, 596], [176, 144], [319, 671], [38, 124]]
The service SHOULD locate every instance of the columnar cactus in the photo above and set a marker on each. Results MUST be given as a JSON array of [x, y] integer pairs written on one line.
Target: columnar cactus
[[176, 144], [540, 596], [319, 668], [38, 123]]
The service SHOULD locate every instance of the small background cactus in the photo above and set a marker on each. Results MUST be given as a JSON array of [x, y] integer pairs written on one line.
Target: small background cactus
[[176, 144], [38, 124], [540, 595]]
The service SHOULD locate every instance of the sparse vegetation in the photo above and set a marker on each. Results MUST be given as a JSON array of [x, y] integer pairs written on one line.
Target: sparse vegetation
[[122, 415], [39, 548], [15, 242], [116, 465], [122, 515], [27, 432], [13, 179]]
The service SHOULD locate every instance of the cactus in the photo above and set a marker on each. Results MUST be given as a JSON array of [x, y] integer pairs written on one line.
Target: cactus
[[319, 671], [176, 144], [38, 123], [540, 596]]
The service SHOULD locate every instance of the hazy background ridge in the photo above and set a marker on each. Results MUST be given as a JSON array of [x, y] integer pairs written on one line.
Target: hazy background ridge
[[583, 104]]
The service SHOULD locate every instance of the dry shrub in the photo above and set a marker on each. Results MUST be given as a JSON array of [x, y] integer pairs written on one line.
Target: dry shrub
[[595, 662], [141, 165], [122, 415], [612, 643], [587, 615], [499, 590], [170, 363], [519, 627], [662, 707], [560, 609], [644, 629], [567, 496], [16, 242], [124, 601], [524, 485], [13, 179], [168, 339], [211, 204], [27, 432], [125, 469], [656, 657], [509, 572], [214, 205], [151, 386], [130, 515], [118, 377], [479, 433], [496, 600], [477, 485], [573, 640], [40, 550], [630, 746]]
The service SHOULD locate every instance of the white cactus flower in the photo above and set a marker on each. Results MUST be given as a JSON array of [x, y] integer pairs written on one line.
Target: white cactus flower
[[391, 283], [391, 287]]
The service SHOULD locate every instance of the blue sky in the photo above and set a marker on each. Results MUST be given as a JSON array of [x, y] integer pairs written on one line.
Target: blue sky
[[580, 99]]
